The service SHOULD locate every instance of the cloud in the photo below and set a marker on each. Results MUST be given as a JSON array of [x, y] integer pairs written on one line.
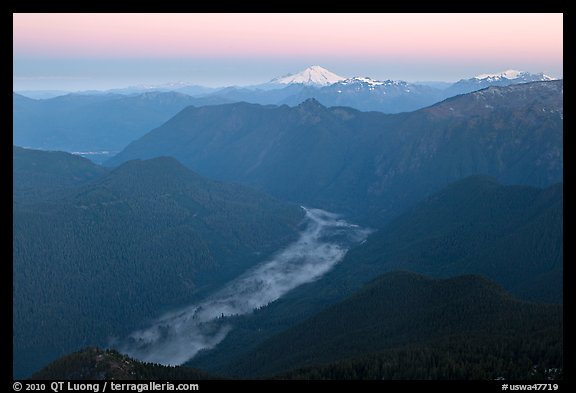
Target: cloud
[[178, 336]]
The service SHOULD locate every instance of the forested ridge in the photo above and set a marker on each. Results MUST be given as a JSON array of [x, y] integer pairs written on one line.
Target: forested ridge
[[40, 175], [512, 234], [143, 239], [464, 327], [369, 165], [97, 364], [400, 326], [452, 359]]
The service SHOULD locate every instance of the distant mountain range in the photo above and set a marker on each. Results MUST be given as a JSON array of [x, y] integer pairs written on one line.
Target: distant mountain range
[[98, 124], [369, 165], [101, 123], [313, 76], [367, 94], [364, 93]]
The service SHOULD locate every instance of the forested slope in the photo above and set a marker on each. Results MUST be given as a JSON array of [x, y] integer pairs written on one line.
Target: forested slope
[[110, 255]]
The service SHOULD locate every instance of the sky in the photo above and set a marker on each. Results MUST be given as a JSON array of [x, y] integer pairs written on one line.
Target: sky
[[103, 51]]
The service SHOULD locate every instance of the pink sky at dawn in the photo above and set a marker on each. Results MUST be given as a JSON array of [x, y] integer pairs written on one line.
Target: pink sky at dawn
[[366, 35], [249, 48]]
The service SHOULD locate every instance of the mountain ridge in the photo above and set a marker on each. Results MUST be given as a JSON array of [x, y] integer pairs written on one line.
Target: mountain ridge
[[104, 122], [94, 123], [110, 254], [96, 364], [504, 78], [513, 133], [511, 234], [399, 309], [38, 175], [401, 325]]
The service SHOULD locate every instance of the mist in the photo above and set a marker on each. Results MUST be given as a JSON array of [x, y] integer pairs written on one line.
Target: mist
[[178, 336]]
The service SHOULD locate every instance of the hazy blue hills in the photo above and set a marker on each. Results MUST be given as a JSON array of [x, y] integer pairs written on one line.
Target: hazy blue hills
[[113, 253], [512, 234], [368, 164], [101, 123], [42, 174], [94, 122], [359, 92]]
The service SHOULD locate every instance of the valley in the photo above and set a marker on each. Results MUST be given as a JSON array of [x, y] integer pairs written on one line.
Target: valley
[[177, 337], [291, 234]]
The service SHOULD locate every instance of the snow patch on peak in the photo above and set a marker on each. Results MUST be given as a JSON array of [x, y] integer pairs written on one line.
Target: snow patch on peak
[[314, 75], [365, 79], [371, 82], [514, 74], [508, 74]]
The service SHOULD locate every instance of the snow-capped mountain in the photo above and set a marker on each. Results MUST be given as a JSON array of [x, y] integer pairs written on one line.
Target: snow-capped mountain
[[311, 76], [360, 92], [513, 75], [367, 94], [504, 78]]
